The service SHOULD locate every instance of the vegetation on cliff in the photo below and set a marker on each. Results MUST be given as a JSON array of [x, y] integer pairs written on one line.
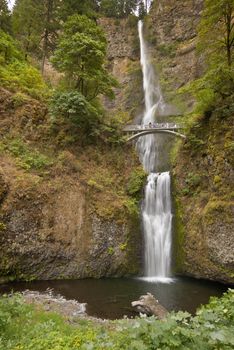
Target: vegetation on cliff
[[27, 327], [204, 163]]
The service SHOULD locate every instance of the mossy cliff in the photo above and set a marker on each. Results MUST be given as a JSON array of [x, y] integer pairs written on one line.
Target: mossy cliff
[[203, 174]]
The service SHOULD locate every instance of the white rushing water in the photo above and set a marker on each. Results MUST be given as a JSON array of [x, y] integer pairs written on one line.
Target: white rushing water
[[156, 211]]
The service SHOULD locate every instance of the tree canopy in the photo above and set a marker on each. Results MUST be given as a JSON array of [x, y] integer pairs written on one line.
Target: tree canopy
[[81, 54], [5, 20], [118, 8], [81, 7]]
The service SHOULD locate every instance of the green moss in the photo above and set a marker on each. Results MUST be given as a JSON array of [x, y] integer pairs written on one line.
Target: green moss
[[2, 226], [132, 206], [123, 246], [111, 250], [179, 236], [192, 181], [167, 50], [135, 182], [218, 208], [95, 185]]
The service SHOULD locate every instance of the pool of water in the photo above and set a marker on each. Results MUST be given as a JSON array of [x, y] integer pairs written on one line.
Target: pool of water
[[111, 298]]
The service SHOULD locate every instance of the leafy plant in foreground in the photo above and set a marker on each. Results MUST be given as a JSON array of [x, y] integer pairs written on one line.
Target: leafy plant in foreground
[[24, 327]]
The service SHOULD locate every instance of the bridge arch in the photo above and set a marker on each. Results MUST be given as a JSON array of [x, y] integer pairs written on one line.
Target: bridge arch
[[154, 131]]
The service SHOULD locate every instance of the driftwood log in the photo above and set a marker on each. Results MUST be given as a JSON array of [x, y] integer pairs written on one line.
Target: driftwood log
[[147, 304]]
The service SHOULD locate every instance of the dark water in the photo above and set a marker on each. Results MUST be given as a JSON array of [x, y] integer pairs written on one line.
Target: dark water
[[111, 298]]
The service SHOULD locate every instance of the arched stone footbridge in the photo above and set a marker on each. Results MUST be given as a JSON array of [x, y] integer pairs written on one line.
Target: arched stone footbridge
[[137, 131]]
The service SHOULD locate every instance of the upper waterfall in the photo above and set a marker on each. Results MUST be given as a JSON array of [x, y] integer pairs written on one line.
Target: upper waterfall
[[154, 106]]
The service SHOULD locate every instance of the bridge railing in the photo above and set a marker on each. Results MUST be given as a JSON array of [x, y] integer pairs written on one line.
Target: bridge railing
[[166, 126]]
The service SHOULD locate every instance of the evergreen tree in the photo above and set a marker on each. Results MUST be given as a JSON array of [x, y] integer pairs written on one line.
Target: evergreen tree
[[142, 9], [36, 24], [118, 8], [50, 28], [5, 18], [27, 20], [88, 8]]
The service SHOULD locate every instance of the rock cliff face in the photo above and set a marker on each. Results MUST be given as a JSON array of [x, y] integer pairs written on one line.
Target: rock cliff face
[[203, 176], [171, 28], [123, 62], [56, 222]]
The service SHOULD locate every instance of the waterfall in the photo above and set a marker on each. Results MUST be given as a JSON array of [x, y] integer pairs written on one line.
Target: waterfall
[[156, 210]]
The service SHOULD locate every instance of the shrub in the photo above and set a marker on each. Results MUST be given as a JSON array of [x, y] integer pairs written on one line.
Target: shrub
[[15, 73], [73, 108], [8, 49], [136, 182]]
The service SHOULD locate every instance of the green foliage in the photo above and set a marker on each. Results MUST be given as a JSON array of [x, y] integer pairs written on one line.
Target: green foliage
[[118, 8], [8, 49], [111, 129], [81, 7], [210, 90], [216, 31], [2, 226], [15, 73], [24, 327], [142, 11], [81, 54], [135, 182], [73, 107], [27, 22], [131, 204], [193, 180], [215, 43], [167, 50], [5, 17], [22, 76], [26, 158], [36, 25]]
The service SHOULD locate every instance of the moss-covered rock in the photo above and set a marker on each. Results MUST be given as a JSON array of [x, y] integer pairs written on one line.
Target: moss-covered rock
[[203, 176]]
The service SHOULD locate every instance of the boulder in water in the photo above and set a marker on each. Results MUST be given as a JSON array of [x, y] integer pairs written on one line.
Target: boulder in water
[[147, 304]]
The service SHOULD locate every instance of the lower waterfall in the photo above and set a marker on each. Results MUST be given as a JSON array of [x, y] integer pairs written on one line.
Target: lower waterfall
[[157, 222]]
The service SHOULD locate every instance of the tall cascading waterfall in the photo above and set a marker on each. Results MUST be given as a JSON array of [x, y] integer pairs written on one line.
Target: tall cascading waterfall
[[156, 211]]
